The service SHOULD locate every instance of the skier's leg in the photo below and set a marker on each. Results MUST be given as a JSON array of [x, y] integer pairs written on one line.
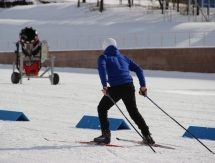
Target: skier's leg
[[104, 105], [130, 102]]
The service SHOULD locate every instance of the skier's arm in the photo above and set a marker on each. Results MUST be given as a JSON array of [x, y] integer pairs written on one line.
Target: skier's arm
[[102, 70], [140, 74]]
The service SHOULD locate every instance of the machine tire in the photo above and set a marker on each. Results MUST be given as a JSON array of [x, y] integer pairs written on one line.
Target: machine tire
[[56, 79], [15, 77]]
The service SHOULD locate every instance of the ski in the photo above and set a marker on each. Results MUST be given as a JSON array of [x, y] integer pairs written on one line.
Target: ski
[[142, 143], [99, 144], [86, 142]]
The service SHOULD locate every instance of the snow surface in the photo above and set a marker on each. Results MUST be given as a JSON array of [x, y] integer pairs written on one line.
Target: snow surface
[[67, 27], [55, 110]]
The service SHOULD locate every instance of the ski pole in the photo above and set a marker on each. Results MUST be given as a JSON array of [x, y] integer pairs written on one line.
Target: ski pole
[[129, 121], [179, 124]]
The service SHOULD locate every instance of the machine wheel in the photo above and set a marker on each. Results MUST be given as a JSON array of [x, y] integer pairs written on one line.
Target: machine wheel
[[15, 77], [56, 79]]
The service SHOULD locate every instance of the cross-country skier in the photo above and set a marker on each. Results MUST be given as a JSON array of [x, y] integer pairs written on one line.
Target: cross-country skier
[[116, 67]]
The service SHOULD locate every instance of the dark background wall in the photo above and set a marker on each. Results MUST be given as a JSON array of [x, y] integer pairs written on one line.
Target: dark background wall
[[180, 59]]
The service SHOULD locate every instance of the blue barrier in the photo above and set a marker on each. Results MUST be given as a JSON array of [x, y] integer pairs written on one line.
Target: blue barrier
[[201, 132], [93, 122], [205, 3], [12, 116]]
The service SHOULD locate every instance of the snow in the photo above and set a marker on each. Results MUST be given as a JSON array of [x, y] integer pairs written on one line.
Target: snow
[[55, 110], [66, 27]]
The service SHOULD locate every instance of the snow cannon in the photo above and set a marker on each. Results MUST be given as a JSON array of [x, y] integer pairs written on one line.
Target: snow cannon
[[30, 41], [30, 61]]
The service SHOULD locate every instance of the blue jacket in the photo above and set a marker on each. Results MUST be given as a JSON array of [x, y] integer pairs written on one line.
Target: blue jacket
[[116, 67]]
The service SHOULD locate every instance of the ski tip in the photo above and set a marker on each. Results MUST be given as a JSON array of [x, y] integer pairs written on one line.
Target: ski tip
[[117, 138]]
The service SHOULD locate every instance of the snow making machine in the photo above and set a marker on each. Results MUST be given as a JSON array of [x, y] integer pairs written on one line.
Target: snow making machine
[[30, 61]]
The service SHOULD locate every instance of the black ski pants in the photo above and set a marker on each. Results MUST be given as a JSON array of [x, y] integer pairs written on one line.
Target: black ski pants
[[126, 92]]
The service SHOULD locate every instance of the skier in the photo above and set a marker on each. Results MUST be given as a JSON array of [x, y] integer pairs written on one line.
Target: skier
[[117, 67]]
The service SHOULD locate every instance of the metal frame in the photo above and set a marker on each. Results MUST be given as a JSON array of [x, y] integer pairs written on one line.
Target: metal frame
[[20, 60]]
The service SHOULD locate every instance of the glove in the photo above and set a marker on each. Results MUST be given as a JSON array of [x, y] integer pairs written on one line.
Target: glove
[[143, 91], [105, 91]]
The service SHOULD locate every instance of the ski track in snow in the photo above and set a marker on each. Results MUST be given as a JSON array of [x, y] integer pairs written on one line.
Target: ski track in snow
[[55, 110]]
